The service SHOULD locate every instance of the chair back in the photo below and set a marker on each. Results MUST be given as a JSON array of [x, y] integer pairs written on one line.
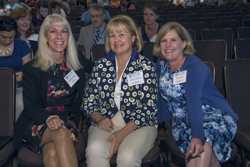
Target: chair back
[[214, 51], [242, 49], [243, 32], [237, 81], [226, 34], [7, 102], [98, 51], [147, 51]]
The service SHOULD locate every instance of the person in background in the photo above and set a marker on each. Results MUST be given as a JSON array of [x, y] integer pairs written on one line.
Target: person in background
[[121, 100], [179, 3], [31, 3], [127, 5], [203, 124], [41, 13], [151, 26], [59, 7], [14, 53], [93, 34], [115, 3], [86, 16], [53, 86], [25, 30]]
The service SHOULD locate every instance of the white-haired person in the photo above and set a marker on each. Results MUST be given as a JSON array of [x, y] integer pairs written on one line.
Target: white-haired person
[[52, 85]]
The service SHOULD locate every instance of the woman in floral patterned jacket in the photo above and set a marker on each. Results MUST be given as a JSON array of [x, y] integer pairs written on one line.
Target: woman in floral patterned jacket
[[121, 99]]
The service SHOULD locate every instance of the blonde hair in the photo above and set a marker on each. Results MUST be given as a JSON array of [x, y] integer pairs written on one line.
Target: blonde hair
[[130, 26], [182, 33], [43, 58]]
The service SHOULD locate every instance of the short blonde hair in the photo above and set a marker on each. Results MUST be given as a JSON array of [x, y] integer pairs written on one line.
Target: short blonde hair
[[43, 58], [131, 27], [182, 33]]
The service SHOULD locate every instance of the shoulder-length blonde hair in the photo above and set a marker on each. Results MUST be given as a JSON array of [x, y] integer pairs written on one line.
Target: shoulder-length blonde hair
[[43, 55], [182, 33], [131, 27]]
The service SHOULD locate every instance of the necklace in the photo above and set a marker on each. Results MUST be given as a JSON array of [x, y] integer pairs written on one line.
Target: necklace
[[120, 69], [6, 51]]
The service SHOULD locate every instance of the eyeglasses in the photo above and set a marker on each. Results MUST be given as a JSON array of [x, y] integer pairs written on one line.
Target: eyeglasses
[[121, 35]]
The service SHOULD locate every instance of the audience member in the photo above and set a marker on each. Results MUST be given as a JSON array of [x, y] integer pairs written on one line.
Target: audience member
[[86, 16], [59, 7], [31, 3], [14, 53], [151, 26], [40, 14], [94, 33], [115, 3], [203, 124], [25, 30], [127, 5], [179, 3], [53, 84], [121, 99]]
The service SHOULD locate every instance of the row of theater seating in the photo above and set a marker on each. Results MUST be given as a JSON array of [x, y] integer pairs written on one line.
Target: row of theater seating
[[233, 73], [229, 24]]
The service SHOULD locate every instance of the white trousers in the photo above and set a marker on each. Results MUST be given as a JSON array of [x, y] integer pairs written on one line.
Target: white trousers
[[130, 153]]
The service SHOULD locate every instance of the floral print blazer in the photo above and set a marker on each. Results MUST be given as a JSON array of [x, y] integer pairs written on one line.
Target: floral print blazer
[[138, 102]]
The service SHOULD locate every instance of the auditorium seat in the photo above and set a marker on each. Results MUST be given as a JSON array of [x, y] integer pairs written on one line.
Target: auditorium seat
[[237, 80], [7, 115]]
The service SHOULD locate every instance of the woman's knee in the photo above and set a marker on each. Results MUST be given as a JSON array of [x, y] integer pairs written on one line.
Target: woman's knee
[[49, 151], [61, 134], [128, 158], [96, 148]]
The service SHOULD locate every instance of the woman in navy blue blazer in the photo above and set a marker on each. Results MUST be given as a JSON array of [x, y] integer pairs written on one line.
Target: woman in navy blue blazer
[[53, 84], [203, 124]]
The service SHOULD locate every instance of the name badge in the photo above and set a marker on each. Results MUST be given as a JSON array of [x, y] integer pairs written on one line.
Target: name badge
[[180, 77], [135, 78], [71, 78]]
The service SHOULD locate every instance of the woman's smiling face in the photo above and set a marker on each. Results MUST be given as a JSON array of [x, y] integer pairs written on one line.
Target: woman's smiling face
[[172, 46], [121, 41], [58, 36]]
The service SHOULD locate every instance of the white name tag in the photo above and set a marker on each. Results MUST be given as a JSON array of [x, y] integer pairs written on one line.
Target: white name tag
[[180, 77], [135, 78], [71, 78]]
